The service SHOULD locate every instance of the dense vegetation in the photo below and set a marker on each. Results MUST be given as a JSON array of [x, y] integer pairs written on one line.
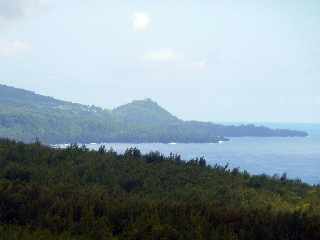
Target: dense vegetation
[[75, 193], [25, 116]]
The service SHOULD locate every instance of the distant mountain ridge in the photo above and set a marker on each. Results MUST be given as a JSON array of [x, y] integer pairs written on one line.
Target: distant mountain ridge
[[25, 116]]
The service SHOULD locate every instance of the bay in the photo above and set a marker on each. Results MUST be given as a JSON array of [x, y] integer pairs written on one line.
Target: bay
[[297, 157]]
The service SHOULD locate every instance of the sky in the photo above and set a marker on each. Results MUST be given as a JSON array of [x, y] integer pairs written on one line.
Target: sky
[[211, 60]]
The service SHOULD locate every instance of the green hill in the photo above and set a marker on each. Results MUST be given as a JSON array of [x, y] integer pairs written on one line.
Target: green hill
[[25, 116], [145, 112], [75, 193]]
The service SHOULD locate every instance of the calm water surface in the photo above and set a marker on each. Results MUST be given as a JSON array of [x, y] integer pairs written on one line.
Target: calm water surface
[[298, 157]]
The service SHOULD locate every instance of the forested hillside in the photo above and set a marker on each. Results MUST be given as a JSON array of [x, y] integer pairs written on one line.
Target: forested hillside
[[75, 193], [26, 116]]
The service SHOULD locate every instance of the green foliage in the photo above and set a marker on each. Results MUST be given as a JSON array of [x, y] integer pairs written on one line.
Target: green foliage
[[76, 193], [27, 116]]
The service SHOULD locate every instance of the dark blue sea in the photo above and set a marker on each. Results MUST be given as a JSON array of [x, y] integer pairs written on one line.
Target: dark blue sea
[[298, 157]]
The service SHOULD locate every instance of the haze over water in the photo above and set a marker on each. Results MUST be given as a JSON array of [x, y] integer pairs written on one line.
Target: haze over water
[[298, 157]]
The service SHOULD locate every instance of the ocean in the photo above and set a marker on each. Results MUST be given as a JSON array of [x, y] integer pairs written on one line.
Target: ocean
[[299, 158]]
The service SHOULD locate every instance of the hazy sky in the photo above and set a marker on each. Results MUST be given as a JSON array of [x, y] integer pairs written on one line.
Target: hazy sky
[[215, 60]]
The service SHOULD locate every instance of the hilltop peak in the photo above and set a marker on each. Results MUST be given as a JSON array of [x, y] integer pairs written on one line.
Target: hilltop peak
[[144, 101], [145, 111]]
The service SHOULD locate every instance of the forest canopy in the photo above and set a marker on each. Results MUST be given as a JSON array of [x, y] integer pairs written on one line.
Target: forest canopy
[[77, 193]]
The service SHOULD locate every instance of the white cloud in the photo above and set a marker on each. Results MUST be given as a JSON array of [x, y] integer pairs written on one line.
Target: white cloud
[[141, 22], [200, 65], [12, 9], [168, 55], [162, 55], [13, 48]]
